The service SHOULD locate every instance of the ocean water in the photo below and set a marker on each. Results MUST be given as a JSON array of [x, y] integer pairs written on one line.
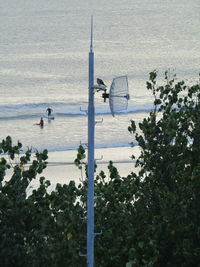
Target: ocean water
[[44, 49]]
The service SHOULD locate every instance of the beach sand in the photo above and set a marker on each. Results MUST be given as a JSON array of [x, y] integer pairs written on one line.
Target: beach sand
[[61, 168]]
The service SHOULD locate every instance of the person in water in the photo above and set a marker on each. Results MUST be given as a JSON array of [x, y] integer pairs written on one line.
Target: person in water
[[49, 110], [41, 122]]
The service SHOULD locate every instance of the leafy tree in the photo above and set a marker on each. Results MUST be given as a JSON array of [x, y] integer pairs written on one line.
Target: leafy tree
[[41, 228], [44, 228], [168, 200]]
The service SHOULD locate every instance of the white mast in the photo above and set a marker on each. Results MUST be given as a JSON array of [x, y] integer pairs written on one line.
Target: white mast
[[118, 101], [90, 170]]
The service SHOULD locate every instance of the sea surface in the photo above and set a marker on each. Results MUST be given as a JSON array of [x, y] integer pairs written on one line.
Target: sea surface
[[44, 49]]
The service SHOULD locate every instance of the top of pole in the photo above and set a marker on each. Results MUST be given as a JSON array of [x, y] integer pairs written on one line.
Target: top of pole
[[91, 40]]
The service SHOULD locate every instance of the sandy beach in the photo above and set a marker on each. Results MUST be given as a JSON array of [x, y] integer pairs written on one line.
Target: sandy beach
[[61, 167]]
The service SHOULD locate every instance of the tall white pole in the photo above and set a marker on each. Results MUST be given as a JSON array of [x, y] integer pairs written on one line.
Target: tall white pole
[[90, 170]]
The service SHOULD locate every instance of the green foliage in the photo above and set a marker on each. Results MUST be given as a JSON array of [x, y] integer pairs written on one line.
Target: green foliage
[[41, 228], [169, 178], [80, 157]]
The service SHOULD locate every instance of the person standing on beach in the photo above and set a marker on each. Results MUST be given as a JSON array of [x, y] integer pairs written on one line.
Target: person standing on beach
[[49, 110]]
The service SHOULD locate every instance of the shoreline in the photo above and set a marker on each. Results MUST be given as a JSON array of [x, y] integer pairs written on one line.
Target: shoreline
[[61, 168]]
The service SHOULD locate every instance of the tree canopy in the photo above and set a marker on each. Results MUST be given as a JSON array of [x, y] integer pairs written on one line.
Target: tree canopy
[[149, 218]]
